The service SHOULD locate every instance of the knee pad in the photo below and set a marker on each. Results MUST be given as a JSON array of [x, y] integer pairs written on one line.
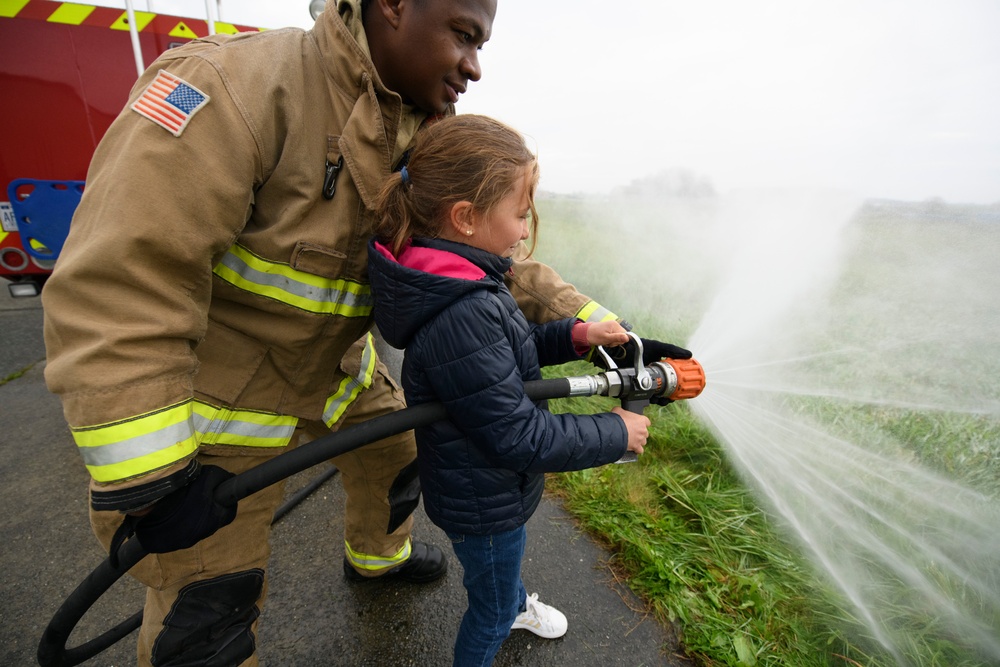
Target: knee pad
[[404, 496], [210, 623]]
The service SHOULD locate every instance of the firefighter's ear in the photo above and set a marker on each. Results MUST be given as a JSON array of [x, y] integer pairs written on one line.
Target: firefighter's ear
[[461, 218], [390, 10]]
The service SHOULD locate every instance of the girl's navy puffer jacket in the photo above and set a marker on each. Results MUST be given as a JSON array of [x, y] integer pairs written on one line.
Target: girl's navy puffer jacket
[[469, 346]]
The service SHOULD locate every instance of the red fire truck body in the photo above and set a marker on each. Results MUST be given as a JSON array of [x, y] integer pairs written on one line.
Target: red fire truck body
[[66, 70]]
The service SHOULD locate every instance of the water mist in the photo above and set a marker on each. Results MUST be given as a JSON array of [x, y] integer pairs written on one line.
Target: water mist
[[831, 320], [853, 368]]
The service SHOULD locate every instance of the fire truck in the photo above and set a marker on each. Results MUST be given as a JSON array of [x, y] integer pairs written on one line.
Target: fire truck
[[66, 70]]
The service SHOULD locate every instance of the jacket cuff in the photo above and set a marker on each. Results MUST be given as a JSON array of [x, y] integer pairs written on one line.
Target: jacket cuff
[[139, 497], [579, 337]]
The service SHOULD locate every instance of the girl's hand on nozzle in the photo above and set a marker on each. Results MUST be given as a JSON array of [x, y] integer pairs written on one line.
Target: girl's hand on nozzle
[[637, 426], [609, 334]]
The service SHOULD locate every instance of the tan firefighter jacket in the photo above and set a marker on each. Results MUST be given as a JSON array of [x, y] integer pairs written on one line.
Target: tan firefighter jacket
[[208, 293]]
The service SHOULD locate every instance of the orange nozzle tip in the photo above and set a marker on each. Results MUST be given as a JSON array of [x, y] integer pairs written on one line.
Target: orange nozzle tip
[[690, 378]]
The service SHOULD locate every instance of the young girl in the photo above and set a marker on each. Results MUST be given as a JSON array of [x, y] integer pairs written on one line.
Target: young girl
[[449, 224]]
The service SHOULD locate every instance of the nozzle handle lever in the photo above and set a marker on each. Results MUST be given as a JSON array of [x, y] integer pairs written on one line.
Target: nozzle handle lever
[[636, 386]]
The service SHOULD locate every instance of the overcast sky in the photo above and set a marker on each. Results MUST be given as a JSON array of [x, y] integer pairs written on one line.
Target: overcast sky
[[883, 98]]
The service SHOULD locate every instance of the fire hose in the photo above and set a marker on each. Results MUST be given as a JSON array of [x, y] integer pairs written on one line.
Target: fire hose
[[673, 379]]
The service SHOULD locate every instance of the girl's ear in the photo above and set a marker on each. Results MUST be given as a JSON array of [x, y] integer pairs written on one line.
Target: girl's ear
[[461, 215]]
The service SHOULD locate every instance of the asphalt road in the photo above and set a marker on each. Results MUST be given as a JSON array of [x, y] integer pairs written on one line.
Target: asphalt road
[[313, 616]]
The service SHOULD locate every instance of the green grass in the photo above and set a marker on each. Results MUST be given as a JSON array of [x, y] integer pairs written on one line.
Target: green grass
[[686, 533], [689, 539], [15, 375]]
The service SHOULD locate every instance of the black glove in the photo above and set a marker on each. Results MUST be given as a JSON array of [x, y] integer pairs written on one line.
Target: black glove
[[180, 519], [652, 350]]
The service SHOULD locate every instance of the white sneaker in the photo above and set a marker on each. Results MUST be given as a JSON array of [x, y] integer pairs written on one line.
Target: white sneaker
[[543, 620]]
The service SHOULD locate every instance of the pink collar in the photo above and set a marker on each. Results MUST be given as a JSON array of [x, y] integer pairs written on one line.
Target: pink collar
[[433, 261]]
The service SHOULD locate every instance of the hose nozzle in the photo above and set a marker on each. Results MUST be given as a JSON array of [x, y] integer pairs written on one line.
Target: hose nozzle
[[674, 379], [681, 379]]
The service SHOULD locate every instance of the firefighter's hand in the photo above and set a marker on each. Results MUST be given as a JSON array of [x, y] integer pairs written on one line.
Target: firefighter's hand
[[637, 426], [181, 519]]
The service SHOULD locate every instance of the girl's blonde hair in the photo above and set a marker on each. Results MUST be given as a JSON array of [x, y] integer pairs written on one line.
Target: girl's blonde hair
[[460, 158]]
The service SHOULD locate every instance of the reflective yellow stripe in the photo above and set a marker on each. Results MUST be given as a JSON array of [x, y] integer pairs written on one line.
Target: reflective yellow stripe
[[226, 28], [135, 446], [70, 13], [315, 294], [10, 8], [372, 563], [142, 19], [595, 312], [350, 387], [245, 428]]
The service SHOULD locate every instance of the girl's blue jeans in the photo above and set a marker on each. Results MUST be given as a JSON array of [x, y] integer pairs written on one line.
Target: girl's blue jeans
[[496, 595]]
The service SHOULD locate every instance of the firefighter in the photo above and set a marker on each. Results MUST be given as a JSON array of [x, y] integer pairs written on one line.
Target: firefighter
[[211, 305]]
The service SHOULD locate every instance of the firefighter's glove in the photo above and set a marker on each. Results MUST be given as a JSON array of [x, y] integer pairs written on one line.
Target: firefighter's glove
[[652, 350], [181, 519], [660, 400]]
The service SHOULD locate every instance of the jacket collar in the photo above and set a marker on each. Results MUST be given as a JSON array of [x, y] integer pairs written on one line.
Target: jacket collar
[[407, 297], [368, 141], [492, 265]]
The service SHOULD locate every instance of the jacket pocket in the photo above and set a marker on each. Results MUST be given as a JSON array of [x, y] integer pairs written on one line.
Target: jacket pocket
[[318, 260], [228, 361]]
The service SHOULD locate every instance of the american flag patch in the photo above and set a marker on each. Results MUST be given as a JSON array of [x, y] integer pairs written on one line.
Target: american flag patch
[[170, 102]]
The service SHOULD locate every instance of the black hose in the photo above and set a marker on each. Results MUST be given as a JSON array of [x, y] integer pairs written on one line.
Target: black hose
[[52, 651], [303, 493], [52, 648]]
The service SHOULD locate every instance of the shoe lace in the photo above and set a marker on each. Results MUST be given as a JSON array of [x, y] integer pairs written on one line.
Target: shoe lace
[[534, 609]]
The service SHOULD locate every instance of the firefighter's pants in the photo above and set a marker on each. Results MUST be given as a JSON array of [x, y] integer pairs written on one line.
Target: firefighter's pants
[[203, 603]]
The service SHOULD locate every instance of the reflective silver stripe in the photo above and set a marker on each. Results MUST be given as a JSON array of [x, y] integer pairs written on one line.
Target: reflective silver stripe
[[137, 446], [238, 431], [246, 428], [307, 291], [595, 312], [134, 446], [350, 387]]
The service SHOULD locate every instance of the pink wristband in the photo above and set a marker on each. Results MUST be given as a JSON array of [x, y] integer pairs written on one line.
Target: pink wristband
[[579, 337]]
